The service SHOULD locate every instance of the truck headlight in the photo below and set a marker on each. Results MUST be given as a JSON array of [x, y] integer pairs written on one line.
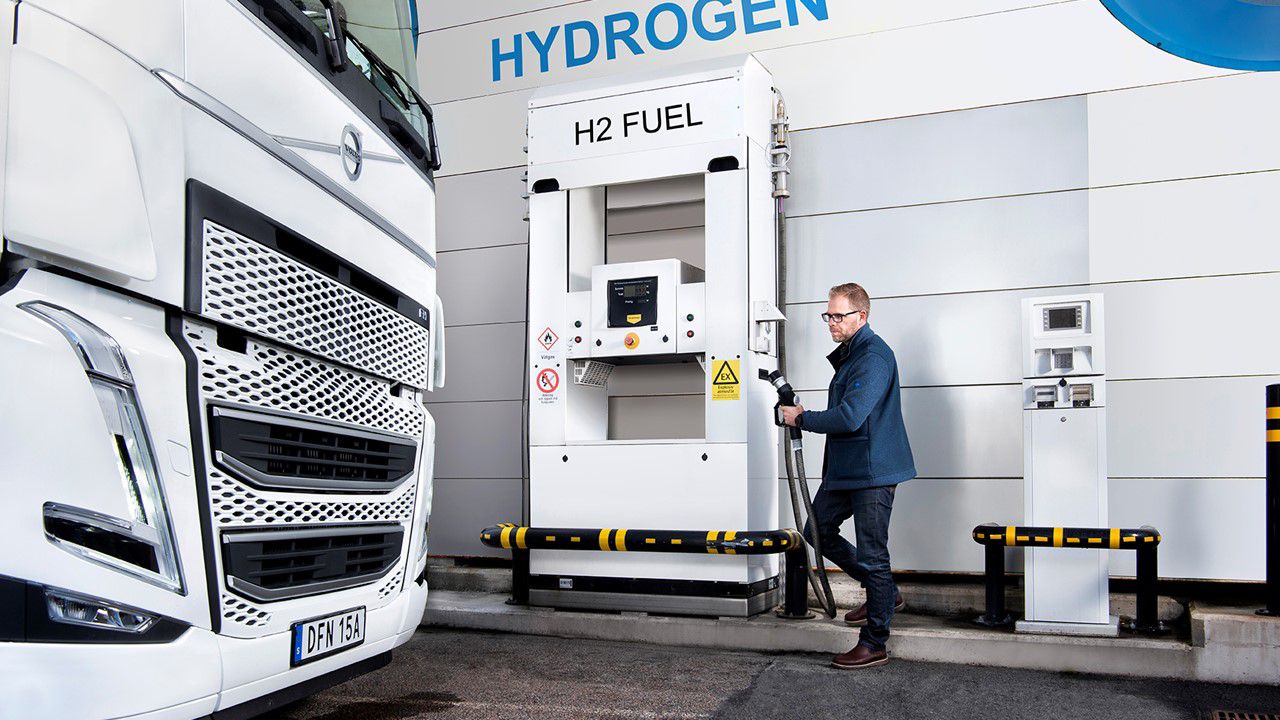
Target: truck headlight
[[76, 609], [108, 372]]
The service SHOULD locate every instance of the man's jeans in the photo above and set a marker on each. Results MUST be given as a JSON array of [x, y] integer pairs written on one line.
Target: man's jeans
[[868, 563]]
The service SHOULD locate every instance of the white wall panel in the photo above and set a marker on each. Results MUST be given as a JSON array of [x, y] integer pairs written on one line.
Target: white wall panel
[[481, 210], [1203, 428], [1209, 226], [483, 286], [462, 508], [486, 362], [478, 440], [986, 152], [464, 54], [932, 523], [955, 432], [1011, 57], [435, 14], [1209, 127], [1192, 328], [966, 339], [1051, 51], [1030, 241], [1211, 529]]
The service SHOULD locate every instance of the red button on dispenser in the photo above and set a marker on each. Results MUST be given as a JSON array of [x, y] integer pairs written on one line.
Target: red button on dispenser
[[689, 334], [578, 339]]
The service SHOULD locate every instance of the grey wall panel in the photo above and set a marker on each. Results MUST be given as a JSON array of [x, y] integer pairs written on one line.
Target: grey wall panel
[[478, 440], [683, 189], [661, 217], [1006, 150], [481, 210], [1203, 428], [671, 379], [1210, 226], [1192, 328], [1030, 241], [687, 244], [657, 417], [955, 432], [483, 286], [485, 362], [1211, 529], [462, 508], [1192, 129]]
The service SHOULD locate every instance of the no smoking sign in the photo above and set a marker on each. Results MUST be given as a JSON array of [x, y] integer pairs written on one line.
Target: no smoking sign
[[547, 381]]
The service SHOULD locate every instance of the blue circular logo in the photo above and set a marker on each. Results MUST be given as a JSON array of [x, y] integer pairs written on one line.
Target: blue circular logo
[[1236, 34]]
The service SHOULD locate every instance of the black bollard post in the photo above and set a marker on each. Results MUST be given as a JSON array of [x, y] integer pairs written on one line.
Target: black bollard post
[[994, 572], [1148, 614], [1273, 502], [795, 591], [519, 577]]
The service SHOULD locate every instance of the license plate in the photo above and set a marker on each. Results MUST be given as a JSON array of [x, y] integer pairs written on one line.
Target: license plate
[[322, 637]]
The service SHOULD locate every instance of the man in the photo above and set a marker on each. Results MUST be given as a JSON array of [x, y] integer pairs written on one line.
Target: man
[[867, 455]]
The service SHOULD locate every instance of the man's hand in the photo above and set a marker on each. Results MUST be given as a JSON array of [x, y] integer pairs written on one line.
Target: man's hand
[[789, 414]]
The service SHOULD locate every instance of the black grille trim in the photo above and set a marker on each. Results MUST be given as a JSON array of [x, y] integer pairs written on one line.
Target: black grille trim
[[273, 565], [283, 453]]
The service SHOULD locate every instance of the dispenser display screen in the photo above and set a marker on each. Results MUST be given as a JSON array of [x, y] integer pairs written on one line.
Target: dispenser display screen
[[633, 302], [1068, 318]]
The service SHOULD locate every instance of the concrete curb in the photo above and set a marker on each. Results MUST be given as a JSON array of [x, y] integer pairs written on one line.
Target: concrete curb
[[915, 637]]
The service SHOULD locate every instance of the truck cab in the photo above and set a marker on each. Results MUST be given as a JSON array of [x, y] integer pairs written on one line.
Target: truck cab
[[218, 331]]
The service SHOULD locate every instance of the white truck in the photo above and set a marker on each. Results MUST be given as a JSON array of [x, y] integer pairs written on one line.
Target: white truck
[[218, 329]]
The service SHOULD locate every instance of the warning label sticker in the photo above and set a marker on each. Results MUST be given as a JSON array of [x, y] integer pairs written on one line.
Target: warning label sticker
[[547, 338], [548, 381], [724, 380]]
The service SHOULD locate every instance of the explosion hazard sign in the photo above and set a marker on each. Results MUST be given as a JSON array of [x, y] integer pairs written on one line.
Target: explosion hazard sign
[[724, 380]]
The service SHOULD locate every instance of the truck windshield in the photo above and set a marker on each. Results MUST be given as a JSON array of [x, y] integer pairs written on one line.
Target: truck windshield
[[380, 43]]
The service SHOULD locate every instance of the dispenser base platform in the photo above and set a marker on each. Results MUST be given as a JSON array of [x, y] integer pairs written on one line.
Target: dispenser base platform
[[1110, 628]]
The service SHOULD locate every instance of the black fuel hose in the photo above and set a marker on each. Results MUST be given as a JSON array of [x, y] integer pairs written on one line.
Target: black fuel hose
[[798, 484]]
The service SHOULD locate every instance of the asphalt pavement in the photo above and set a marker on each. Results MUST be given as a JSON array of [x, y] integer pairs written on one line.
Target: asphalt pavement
[[455, 675]]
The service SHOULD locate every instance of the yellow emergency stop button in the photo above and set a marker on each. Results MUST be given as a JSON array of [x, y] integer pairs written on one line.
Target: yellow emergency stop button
[[631, 341]]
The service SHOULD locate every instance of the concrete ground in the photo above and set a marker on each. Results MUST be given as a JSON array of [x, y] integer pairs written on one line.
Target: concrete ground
[[456, 675]]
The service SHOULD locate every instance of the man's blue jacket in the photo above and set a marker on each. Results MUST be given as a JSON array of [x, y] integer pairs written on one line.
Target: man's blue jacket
[[866, 438]]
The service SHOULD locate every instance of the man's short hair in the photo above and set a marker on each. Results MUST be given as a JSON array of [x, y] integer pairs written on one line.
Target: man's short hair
[[856, 295]]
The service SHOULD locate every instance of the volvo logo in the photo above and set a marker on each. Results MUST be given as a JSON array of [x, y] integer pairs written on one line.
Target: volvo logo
[[352, 151]]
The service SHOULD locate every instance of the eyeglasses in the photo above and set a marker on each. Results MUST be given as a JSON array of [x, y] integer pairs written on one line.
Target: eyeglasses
[[838, 317]]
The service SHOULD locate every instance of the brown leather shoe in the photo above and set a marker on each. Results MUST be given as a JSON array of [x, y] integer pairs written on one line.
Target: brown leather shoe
[[860, 656], [858, 616]]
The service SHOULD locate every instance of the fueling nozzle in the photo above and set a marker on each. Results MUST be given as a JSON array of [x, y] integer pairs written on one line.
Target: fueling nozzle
[[786, 398]]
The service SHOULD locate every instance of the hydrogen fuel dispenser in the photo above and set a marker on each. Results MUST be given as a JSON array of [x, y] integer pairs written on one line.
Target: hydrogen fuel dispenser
[[1065, 461], [689, 317]]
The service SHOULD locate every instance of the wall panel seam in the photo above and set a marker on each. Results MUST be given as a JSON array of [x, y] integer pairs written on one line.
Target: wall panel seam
[[1038, 193], [480, 247], [988, 291]]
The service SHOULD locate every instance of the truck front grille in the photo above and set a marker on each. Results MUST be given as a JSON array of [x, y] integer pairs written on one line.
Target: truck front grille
[[282, 564], [287, 453]]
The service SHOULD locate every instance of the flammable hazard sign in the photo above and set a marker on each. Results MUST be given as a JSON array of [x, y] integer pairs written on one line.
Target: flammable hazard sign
[[724, 380]]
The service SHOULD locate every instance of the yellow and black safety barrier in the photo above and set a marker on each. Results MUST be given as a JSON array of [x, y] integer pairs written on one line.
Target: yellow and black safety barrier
[[1143, 541], [1273, 502], [1097, 538], [728, 542], [520, 540]]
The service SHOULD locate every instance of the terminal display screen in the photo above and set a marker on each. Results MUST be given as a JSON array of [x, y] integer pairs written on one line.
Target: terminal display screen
[[1067, 318], [633, 302]]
